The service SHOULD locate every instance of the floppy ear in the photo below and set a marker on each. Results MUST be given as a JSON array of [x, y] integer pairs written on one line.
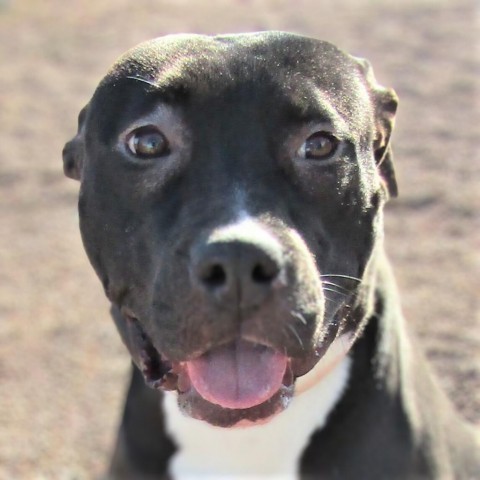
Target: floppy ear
[[73, 151], [385, 103]]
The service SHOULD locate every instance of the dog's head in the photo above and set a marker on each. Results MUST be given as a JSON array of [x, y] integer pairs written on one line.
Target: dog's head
[[230, 202]]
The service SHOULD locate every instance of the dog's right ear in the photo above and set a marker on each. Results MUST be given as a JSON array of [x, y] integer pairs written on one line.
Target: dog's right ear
[[74, 151], [385, 102]]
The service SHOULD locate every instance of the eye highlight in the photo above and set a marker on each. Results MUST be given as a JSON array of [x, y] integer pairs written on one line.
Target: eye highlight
[[147, 142], [319, 146]]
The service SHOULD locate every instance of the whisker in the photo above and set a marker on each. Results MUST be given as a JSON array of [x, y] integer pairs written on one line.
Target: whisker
[[295, 333], [327, 289], [333, 284], [299, 316], [340, 276], [329, 299]]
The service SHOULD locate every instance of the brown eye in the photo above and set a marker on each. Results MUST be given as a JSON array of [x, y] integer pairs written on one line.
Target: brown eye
[[319, 146], [147, 142]]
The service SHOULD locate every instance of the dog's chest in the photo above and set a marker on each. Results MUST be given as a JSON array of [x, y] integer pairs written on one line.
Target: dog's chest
[[272, 449]]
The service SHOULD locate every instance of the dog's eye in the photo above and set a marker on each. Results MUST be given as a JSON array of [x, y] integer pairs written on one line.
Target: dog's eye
[[319, 146], [147, 142]]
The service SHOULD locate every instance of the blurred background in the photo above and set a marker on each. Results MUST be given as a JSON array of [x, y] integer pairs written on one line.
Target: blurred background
[[63, 371]]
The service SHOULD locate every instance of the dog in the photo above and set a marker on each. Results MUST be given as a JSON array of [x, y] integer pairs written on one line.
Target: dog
[[231, 200]]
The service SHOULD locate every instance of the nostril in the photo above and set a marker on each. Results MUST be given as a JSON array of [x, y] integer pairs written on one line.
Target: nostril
[[214, 276], [264, 273]]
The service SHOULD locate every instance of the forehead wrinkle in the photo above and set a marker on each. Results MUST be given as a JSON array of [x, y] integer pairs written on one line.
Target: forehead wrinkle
[[326, 107], [315, 105], [355, 109], [179, 61], [348, 107]]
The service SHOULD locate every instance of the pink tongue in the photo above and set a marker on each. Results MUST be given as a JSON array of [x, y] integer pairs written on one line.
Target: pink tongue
[[239, 375]]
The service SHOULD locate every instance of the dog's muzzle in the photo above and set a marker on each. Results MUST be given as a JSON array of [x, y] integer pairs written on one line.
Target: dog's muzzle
[[237, 356]]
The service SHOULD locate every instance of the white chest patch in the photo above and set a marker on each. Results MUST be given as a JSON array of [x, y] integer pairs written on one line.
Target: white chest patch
[[269, 450]]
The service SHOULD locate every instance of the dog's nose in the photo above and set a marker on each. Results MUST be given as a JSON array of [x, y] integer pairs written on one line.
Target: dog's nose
[[236, 273]]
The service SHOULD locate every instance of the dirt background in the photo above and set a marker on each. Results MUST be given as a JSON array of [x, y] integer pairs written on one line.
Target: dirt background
[[62, 367]]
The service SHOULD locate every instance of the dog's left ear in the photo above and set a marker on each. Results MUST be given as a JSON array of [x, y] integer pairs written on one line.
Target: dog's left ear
[[73, 151], [385, 102]]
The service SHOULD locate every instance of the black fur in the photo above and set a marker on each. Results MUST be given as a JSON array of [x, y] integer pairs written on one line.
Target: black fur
[[236, 110]]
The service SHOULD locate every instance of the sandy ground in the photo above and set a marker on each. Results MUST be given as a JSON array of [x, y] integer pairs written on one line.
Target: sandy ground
[[62, 367]]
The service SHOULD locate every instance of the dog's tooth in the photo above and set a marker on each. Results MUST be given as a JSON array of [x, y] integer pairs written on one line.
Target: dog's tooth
[[169, 381], [156, 384], [183, 383], [288, 376]]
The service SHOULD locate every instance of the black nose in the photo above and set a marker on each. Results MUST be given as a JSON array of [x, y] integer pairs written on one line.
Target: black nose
[[236, 273]]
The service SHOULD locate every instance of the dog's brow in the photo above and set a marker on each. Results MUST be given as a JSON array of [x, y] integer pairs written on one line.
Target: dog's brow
[[314, 105], [325, 106], [319, 114], [167, 87]]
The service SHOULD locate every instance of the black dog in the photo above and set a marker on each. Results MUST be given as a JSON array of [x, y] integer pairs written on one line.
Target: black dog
[[231, 203]]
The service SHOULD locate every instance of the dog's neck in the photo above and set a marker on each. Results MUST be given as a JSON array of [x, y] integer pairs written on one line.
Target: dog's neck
[[273, 448]]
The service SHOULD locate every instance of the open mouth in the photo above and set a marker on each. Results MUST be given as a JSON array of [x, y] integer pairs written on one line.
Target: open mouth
[[238, 383]]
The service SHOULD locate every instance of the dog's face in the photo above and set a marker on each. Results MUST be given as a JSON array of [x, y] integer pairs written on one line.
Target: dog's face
[[231, 195]]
